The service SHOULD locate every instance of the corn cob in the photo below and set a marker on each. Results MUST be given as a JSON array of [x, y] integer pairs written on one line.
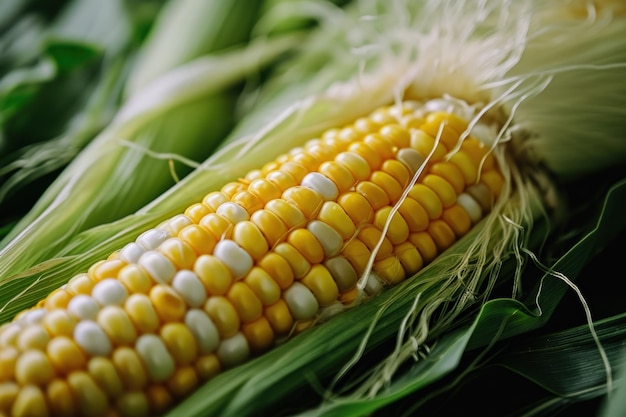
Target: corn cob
[[349, 212]]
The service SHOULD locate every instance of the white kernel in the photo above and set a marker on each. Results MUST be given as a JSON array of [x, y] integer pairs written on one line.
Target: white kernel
[[471, 206], [131, 253], [411, 158], [157, 265], [234, 257], [234, 350], [109, 292], [176, 224], [318, 182], [33, 316], [233, 212], [83, 307], [484, 133], [203, 329], [189, 286], [374, 284], [440, 104], [90, 336], [9, 334], [154, 355], [330, 239], [152, 238], [301, 302]]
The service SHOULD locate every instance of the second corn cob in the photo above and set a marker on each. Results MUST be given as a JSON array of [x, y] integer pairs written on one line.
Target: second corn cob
[[357, 208]]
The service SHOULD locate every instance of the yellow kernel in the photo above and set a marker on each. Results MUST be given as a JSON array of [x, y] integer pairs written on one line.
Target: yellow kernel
[[180, 253], [413, 214], [159, 399], [207, 366], [135, 279], [445, 192], [358, 254], [356, 164], [336, 217], [398, 171], [278, 268], [232, 188], [398, 229], [142, 313], [308, 201], [388, 184], [296, 170], [279, 317], [468, 167], [168, 305], [250, 238], [200, 240], [80, 284], [59, 398], [409, 257], [134, 403], [374, 240], [259, 334], [249, 201], [298, 264], [442, 234], [288, 213], [180, 342], [129, 368], [375, 195], [281, 179], [214, 274], [30, 401], [247, 304], [366, 152], [183, 381], [411, 121], [59, 298], [337, 173], [479, 153], [214, 199], [265, 189], [33, 367], [105, 269], [65, 354], [117, 325], [457, 218], [8, 359], [366, 125], [451, 173], [390, 270], [90, 398], [263, 285], [223, 314], [270, 225], [397, 135], [197, 211], [428, 199], [307, 244], [425, 244], [217, 225], [307, 160], [33, 336], [493, 180], [425, 144], [103, 372], [448, 136], [383, 147], [322, 285], [357, 207]]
